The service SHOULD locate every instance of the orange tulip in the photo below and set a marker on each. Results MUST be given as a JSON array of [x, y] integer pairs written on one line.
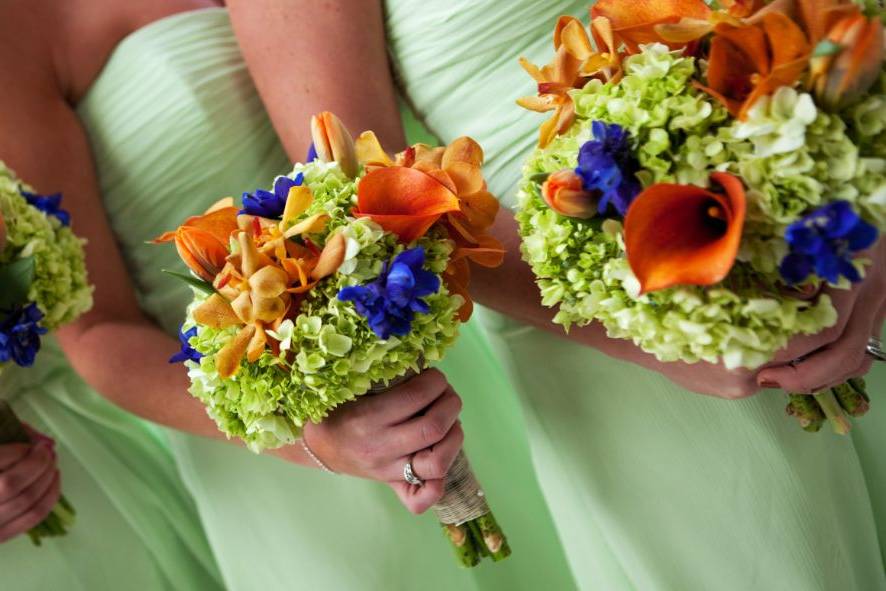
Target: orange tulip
[[334, 142], [634, 23], [751, 61], [683, 234], [202, 241], [565, 194], [843, 77], [403, 200]]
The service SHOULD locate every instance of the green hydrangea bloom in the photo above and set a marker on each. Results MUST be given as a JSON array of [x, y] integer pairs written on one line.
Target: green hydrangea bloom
[[791, 158], [60, 287], [328, 355]]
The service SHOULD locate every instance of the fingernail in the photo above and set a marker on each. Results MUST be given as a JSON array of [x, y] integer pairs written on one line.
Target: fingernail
[[768, 384]]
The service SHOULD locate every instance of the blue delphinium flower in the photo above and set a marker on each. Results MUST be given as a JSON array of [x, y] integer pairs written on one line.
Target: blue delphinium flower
[[267, 204], [824, 241], [187, 353], [48, 204], [606, 165], [20, 335], [312, 154], [390, 302]]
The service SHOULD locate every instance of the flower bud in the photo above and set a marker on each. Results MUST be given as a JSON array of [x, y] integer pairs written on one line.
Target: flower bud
[[565, 194], [843, 77], [333, 142]]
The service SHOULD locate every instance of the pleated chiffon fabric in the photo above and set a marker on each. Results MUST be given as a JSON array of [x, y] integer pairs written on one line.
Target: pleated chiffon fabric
[[650, 486], [175, 124]]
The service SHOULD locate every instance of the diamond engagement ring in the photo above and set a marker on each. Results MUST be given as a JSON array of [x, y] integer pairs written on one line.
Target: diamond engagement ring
[[875, 349], [409, 475]]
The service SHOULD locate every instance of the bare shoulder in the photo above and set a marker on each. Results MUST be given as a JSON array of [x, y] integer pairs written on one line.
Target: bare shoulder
[[61, 47]]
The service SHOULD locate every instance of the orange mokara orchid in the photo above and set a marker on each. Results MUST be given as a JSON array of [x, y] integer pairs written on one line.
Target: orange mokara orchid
[[564, 192], [683, 234], [751, 61], [842, 78], [634, 23], [574, 64], [202, 241], [333, 142]]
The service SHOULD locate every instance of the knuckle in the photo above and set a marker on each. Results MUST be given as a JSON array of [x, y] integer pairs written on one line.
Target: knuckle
[[435, 379], [432, 429]]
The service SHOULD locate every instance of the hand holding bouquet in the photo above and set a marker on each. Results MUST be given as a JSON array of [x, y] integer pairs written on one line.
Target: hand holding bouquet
[[706, 173], [43, 284], [350, 274]]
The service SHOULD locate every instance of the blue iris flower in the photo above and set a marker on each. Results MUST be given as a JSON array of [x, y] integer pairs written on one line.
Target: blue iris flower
[[187, 353], [390, 302], [20, 335], [824, 241], [49, 204], [312, 153], [606, 166], [270, 205]]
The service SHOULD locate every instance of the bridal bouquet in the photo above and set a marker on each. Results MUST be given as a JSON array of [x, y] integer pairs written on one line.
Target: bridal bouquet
[[43, 284], [707, 170], [349, 274]]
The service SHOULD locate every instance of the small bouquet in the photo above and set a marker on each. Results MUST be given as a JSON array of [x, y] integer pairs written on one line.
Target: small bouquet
[[43, 284], [707, 170], [349, 274]]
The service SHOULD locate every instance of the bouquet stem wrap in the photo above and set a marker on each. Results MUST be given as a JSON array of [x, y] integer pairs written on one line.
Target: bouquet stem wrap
[[62, 515], [466, 518]]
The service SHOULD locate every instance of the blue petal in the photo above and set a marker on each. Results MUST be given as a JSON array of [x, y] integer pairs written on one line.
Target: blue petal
[[413, 258], [795, 268], [312, 153], [827, 265], [862, 236]]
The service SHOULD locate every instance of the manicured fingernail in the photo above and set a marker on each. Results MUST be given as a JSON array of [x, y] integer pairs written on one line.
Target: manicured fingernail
[[768, 384]]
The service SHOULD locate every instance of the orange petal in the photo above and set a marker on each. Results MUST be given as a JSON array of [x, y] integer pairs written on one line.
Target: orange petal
[[268, 282], [223, 203], [683, 234], [564, 193], [432, 155], [256, 345], [684, 31], [298, 201], [331, 258], [310, 225], [857, 67], [242, 307], [456, 278], [369, 150], [571, 34], [462, 160], [634, 22], [227, 361], [403, 200], [216, 312], [201, 251], [488, 253], [787, 40], [334, 142], [268, 309]]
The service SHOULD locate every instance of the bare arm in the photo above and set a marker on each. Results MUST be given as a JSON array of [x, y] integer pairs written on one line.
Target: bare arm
[[308, 56], [123, 354]]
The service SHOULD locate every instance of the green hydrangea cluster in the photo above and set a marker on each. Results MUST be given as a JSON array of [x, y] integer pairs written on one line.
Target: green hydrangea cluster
[[60, 286], [328, 355], [791, 158]]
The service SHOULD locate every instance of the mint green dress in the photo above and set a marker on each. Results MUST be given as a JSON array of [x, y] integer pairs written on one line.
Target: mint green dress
[[137, 527], [175, 124], [650, 486]]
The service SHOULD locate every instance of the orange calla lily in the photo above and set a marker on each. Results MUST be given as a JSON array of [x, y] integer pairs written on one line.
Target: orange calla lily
[[817, 17], [751, 61], [403, 200], [202, 241], [574, 64], [634, 23], [683, 234]]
